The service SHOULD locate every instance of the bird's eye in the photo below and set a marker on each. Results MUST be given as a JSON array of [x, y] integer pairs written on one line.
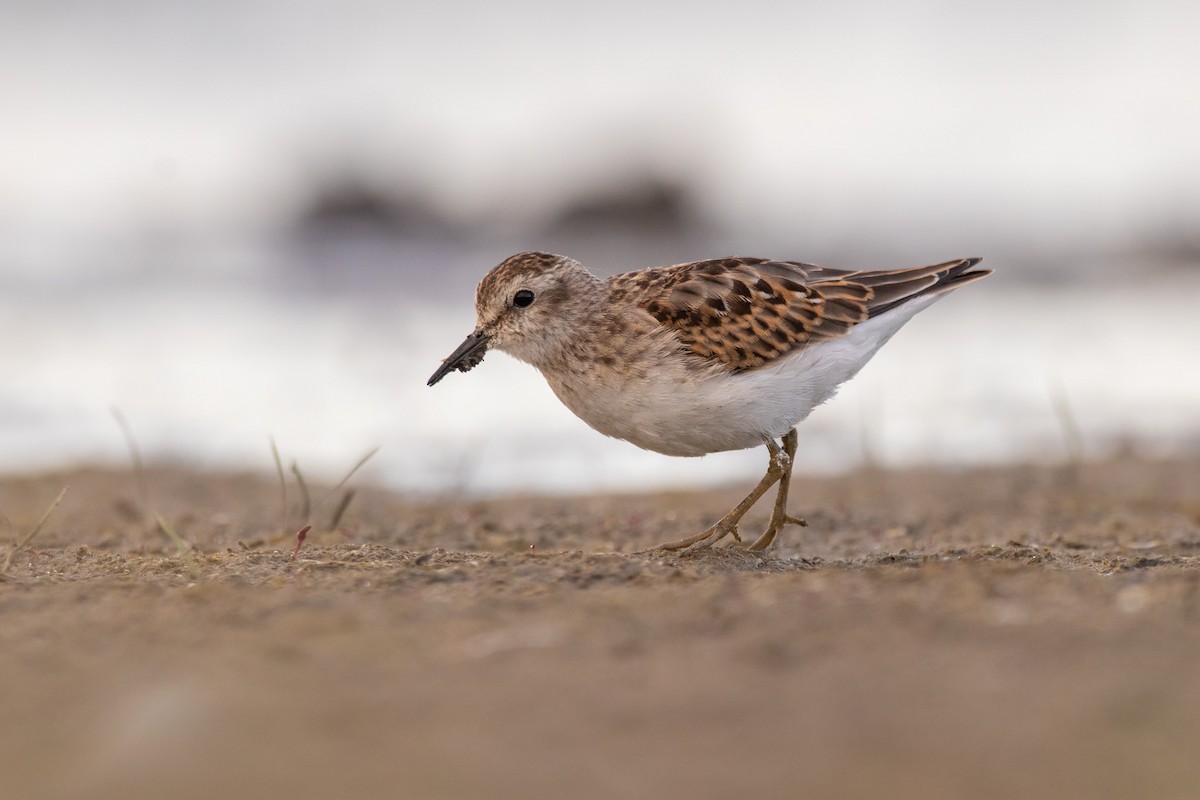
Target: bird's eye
[[523, 299]]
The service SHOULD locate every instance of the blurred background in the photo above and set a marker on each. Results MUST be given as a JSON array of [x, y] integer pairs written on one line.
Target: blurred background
[[239, 220]]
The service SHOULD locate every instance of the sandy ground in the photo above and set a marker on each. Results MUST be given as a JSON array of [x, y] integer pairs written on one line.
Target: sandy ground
[[1009, 633]]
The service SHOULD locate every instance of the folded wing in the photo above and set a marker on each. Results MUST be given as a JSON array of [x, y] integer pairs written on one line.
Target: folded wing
[[744, 313]]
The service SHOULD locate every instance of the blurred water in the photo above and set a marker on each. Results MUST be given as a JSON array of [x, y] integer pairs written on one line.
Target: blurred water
[[208, 364], [167, 168]]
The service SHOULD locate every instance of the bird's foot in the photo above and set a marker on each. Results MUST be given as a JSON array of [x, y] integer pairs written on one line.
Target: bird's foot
[[767, 541], [701, 541]]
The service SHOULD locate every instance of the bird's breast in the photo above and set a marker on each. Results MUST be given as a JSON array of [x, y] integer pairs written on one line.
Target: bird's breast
[[675, 410]]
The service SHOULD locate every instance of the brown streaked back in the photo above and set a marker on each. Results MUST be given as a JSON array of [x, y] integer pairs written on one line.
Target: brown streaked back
[[744, 313]]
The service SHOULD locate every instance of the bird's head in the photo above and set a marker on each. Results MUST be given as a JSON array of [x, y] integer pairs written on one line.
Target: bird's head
[[526, 307]]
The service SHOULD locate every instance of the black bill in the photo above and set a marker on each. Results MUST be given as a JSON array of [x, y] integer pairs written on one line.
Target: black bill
[[465, 357]]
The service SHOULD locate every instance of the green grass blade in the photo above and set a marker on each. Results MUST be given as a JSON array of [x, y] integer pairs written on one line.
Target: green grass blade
[[185, 551], [29, 537]]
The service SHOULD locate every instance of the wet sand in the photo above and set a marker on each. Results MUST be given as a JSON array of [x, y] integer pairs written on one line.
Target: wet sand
[[1017, 632]]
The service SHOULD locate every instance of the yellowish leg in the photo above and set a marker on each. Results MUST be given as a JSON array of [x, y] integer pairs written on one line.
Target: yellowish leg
[[780, 463], [779, 516]]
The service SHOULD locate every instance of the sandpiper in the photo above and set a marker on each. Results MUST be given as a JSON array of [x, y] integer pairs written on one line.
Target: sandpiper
[[702, 357]]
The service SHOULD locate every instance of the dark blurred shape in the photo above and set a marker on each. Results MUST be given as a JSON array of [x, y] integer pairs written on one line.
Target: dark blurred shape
[[1172, 247], [647, 204], [644, 220], [349, 204], [366, 236]]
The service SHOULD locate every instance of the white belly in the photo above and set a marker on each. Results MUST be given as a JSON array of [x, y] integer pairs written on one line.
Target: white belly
[[679, 412]]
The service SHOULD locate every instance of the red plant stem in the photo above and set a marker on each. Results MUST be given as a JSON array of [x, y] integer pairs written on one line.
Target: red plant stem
[[301, 535]]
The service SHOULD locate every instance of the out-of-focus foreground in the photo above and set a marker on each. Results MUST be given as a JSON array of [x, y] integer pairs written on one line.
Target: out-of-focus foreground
[[1020, 632]]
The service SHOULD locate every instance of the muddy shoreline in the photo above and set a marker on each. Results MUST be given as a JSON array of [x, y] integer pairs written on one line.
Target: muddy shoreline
[[1023, 631]]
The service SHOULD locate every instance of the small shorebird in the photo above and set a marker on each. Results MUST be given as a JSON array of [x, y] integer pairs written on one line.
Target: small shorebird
[[698, 358]]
